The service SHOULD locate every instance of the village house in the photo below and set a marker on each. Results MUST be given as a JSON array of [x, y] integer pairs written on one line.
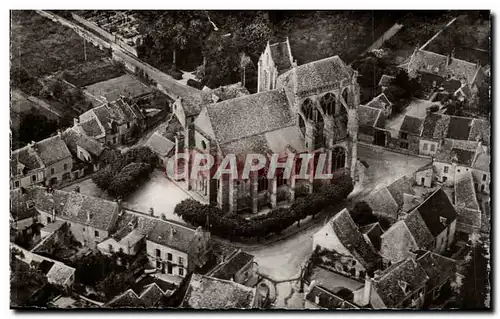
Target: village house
[[239, 267], [372, 232], [310, 108], [56, 272], [352, 253], [206, 292], [23, 214], [424, 176], [431, 225], [86, 151], [401, 286], [385, 81], [162, 147], [175, 249], [319, 298], [441, 272], [112, 123], [388, 201], [466, 205], [91, 219], [408, 135], [371, 125], [48, 161], [381, 102]]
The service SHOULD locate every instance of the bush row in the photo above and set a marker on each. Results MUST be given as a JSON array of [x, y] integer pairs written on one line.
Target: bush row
[[233, 225]]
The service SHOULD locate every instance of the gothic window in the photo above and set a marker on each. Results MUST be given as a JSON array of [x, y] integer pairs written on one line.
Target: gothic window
[[307, 109], [338, 158], [327, 103]]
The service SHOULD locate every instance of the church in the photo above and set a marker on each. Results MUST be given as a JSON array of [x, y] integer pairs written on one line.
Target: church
[[309, 108]]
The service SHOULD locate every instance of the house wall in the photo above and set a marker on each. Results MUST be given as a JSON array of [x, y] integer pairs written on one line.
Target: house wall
[[59, 170], [26, 180], [427, 147], [413, 144], [83, 155], [116, 246], [164, 250], [481, 181], [85, 234], [24, 223], [244, 273], [426, 175], [445, 238], [454, 172]]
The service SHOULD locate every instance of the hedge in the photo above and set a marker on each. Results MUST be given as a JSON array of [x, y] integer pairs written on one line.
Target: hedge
[[233, 225]]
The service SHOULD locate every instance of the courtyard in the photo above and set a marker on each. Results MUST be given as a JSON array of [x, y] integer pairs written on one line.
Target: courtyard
[[158, 193]]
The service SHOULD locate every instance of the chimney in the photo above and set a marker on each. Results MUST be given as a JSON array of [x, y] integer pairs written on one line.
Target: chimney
[[59, 133], [76, 121], [119, 203], [173, 231], [316, 299], [151, 211]]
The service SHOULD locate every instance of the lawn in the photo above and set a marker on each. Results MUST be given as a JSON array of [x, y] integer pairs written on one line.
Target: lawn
[[40, 46]]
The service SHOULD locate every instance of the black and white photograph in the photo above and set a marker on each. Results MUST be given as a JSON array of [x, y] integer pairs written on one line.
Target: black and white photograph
[[250, 159]]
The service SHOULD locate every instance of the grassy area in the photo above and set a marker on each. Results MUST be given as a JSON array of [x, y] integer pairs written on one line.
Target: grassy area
[[41, 46], [92, 72], [315, 35]]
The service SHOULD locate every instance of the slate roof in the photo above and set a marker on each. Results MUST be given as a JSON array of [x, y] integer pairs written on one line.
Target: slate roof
[[379, 102], [171, 234], [480, 130], [435, 126], [319, 73], [328, 300], [228, 269], [19, 208], [386, 80], [47, 201], [465, 194], [387, 284], [438, 268], [160, 144], [412, 125], [211, 293], [52, 150], [250, 115], [91, 128], [459, 128], [434, 207], [350, 237], [281, 56]]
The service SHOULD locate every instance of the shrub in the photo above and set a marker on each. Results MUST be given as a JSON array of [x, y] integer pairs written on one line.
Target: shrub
[[195, 84], [174, 73], [274, 222]]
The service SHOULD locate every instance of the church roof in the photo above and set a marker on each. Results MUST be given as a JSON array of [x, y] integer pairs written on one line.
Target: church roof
[[249, 115], [281, 56]]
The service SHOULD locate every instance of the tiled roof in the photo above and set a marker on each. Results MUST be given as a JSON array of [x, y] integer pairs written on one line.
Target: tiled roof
[[47, 201], [128, 299], [482, 162], [19, 205], [60, 273], [320, 73], [387, 285], [70, 136], [418, 229], [409, 202], [211, 293], [459, 128], [160, 144], [91, 128], [327, 300], [380, 102], [447, 153], [412, 125], [451, 86], [89, 144], [26, 156], [382, 203], [385, 80], [350, 237], [230, 91], [434, 207], [250, 115], [465, 194], [430, 62], [469, 217], [463, 157], [480, 130], [172, 235], [117, 111], [438, 268], [368, 115], [52, 150], [151, 296], [435, 126], [403, 185], [281, 56], [232, 266]]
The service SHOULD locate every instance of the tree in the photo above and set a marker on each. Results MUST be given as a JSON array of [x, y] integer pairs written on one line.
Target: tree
[[475, 285], [34, 126], [244, 62], [362, 214]]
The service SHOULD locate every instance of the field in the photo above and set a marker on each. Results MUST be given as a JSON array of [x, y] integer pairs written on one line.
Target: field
[[41, 46]]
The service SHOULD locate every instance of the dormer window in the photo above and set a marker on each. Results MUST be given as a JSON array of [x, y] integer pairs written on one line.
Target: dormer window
[[30, 204], [403, 285], [443, 220]]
